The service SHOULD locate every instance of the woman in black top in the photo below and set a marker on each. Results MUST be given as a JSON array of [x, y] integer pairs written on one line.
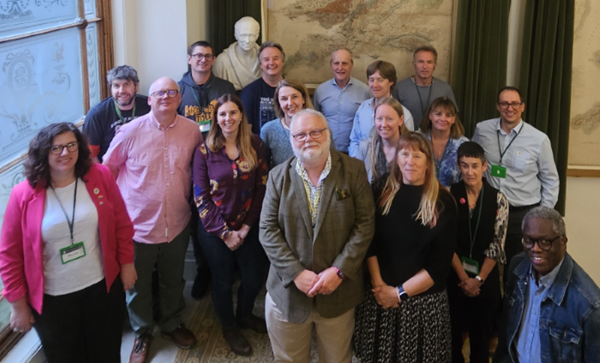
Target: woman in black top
[[482, 222], [405, 317]]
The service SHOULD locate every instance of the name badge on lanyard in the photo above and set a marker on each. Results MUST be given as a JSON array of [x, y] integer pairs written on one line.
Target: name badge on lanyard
[[470, 265], [204, 126], [499, 171], [72, 252]]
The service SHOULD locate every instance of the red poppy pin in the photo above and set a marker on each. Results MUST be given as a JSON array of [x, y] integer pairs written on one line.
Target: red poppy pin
[[462, 201]]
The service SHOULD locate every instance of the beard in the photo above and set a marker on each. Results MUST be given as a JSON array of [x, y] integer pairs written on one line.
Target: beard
[[305, 154], [127, 102]]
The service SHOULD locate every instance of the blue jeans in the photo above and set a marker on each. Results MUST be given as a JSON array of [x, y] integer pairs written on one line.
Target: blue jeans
[[252, 262]]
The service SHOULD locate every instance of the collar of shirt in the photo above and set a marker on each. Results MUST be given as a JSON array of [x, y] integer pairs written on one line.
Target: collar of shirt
[[412, 78], [313, 194], [302, 172], [161, 127], [547, 280], [336, 85], [515, 130]]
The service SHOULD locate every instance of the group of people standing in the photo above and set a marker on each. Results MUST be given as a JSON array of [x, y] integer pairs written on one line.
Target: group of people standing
[[390, 252]]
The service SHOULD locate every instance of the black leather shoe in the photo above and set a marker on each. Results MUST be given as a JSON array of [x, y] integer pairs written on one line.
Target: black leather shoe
[[253, 322], [237, 341]]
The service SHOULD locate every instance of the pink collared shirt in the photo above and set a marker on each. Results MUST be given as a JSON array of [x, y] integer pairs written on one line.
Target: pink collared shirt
[[154, 166]]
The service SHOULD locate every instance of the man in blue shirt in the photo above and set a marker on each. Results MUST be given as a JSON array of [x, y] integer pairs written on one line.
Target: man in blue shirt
[[339, 98], [552, 307]]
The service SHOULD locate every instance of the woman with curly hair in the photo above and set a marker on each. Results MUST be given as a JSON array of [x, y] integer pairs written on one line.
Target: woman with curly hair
[[230, 176], [66, 254], [405, 317]]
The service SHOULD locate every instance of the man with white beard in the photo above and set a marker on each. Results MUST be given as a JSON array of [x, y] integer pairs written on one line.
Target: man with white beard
[[316, 225]]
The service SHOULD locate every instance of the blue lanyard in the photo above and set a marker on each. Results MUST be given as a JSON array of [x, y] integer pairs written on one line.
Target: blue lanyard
[[71, 222]]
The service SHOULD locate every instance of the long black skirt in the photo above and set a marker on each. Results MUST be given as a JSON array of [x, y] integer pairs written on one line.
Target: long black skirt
[[417, 331]]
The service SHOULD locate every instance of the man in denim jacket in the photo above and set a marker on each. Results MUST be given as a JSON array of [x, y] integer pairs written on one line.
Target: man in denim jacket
[[552, 307]]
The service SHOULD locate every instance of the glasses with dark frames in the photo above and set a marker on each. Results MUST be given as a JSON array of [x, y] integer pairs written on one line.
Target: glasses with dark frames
[[544, 244], [58, 149]]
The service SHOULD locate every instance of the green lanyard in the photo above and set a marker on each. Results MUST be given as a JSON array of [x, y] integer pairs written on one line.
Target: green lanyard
[[71, 222], [473, 235], [423, 109], [510, 143], [118, 111]]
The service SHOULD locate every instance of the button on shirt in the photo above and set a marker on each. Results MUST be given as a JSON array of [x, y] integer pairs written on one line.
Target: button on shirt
[[531, 175], [339, 106], [155, 174], [527, 343], [313, 193]]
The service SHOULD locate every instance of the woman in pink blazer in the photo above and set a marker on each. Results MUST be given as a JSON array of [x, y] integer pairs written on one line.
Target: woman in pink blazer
[[66, 250]]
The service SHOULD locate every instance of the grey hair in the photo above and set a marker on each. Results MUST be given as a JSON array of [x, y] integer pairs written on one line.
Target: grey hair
[[122, 72], [270, 44], [310, 111], [347, 50], [549, 214]]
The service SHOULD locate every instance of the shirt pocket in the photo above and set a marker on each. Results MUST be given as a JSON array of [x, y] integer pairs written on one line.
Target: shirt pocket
[[565, 343], [524, 160]]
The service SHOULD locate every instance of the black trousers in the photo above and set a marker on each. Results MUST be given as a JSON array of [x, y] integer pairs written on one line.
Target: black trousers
[[83, 326], [473, 315]]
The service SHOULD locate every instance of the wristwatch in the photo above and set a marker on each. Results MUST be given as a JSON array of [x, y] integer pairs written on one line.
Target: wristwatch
[[339, 273], [402, 295], [481, 281]]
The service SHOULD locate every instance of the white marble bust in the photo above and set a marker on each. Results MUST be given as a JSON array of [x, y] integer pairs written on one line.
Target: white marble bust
[[239, 63]]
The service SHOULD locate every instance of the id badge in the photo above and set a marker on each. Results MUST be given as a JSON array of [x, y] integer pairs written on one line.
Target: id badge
[[499, 171], [72, 252], [470, 265], [205, 126]]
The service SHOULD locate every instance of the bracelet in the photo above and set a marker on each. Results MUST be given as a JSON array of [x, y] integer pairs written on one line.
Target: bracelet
[[481, 281]]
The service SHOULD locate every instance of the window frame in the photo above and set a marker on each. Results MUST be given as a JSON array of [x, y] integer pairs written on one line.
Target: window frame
[[104, 33]]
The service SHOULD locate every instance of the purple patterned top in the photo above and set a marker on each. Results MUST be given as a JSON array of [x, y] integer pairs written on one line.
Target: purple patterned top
[[227, 194]]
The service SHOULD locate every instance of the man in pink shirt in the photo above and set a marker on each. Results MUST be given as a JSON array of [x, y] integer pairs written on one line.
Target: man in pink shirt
[[151, 159]]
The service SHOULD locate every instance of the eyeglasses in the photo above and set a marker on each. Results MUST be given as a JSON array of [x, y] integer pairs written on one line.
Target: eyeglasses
[[200, 56], [315, 134], [170, 93], [58, 149], [544, 244], [505, 105]]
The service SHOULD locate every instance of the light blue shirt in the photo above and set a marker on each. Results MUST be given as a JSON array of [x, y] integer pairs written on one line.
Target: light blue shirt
[[531, 175], [339, 106], [364, 120], [527, 342]]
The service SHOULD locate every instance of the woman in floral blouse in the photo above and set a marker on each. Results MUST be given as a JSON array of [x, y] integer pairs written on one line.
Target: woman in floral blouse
[[443, 128], [230, 175]]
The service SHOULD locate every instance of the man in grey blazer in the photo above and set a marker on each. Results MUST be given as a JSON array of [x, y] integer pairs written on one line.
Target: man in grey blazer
[[316, 225]]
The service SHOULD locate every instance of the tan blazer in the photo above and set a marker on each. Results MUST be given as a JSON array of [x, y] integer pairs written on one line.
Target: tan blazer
[[341, 236]]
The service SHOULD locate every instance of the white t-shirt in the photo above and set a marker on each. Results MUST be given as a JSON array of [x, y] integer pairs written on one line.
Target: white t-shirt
[[59, 278]]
